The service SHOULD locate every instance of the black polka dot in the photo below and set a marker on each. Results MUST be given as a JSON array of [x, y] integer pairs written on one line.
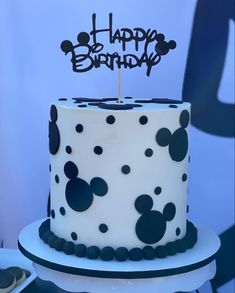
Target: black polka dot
[[82, 106], [62, 211], [53, 214], [143, 120], [126, 169], [110, 119], [103, 228], [163, 136], [57, 179], [121, 254], [178, 146], [173, 106], [78, 194], [70, 170], [54, 137], [136, 254], [169, 211], [149, 252], [53, 113], [80, 250], [74, 236], [98, 150], [128, 98], [184, 177], [157, 190], [50, 167], [107, 253], [177, 231], [68, 149], [148, 152], [184, 118], [62, 99], [79, 128], [92, 252], [187, 210], [143, 203], [98, 186]]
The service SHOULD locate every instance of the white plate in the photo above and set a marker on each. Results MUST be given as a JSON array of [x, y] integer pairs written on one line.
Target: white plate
[[13, 257]]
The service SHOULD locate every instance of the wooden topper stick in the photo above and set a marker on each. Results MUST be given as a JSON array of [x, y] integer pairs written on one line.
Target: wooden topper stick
[[119, 85]]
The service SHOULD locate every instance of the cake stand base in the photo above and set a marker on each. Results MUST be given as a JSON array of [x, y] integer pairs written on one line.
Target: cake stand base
[[182, 272]]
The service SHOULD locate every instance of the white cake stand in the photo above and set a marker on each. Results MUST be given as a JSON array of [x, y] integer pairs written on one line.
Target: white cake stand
[[182, 272]]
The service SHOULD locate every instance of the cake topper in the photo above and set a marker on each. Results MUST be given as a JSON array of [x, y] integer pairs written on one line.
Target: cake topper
[[88, 53]]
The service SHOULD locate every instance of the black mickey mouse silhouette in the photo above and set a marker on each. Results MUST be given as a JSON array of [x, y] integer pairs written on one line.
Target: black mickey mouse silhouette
[[151, 226], [162, 47], [54, 134], [178, 141], [78, 193]]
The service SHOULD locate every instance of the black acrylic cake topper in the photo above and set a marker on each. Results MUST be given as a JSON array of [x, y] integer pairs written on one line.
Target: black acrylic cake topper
[[86, 56]]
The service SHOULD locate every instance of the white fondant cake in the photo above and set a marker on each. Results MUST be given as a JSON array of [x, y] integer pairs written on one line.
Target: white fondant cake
[[119, 171]]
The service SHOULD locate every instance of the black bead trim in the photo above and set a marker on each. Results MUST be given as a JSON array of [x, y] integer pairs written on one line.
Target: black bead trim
[[120, 254]]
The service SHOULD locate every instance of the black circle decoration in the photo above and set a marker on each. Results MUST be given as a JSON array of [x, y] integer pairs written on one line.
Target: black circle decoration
[[169, 211], [184, 118], [74, 236], [92, 252], [52, 213], [110, 119], [107, 253], [79, 128], [177, 231], [121, 254], [54, 134], [143, 120], [184, 177], [68, 149], [157, 190], [103, 228], [136, 254], [178, 146], [98, 150], [70, 170], [78, 194], [80, 250], [98, 186], [62, 211], [151, 226], [173, 106], [163, 136], [148, 152], [143, 203], [57, 179], [148, 252], [126, 169]]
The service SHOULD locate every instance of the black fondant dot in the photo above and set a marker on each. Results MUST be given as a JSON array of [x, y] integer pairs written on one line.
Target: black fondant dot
[[68, 247], [187, 208], [68, 149], [78, 194], [79, 128], [143, 120], [159, 101], [53, 113], [148, 252], [82, 106], [151, 227], [161, 251], [107, 253], [157, 190], [171, 248], [54, 138], [189, 158], [128, 98], [98, 150], [92, 252], [110, 119], [70, 170], [62, 211], [62, 99], [148, 152], [59, 243], [50, 167], [181, 245], [126, 169], [117, 106], [57, 179], [98, 186], [52, 213], [178, 146], [184, 177], [103, 228], [169, 211], [173, 106], [163, 136], [121, 254], [143, 203], [136, 254], [51, 240], [177, 231], [184, 118], [74, 236], [80, 250]]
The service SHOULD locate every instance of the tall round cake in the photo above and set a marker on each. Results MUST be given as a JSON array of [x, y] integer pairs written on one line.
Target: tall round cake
[[119, 178]]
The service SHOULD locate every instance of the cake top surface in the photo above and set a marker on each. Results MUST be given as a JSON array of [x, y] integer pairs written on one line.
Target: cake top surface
[[124, 104]]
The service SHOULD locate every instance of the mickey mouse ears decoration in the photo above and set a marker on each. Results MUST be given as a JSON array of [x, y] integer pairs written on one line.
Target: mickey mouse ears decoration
[[88, 53]]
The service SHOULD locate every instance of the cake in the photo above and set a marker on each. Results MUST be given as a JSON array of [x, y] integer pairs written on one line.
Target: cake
[[119, 171]]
